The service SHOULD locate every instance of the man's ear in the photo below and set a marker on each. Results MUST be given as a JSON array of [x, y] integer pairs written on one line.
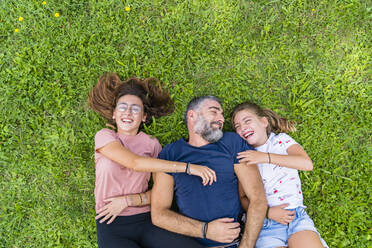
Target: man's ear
[[191, 115]]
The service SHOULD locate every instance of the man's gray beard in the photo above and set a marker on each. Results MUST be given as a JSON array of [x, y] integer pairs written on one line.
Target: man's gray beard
[[204, 129]]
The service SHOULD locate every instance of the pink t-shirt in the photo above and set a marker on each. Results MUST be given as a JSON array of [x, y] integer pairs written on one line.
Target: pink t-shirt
[[113, 179]]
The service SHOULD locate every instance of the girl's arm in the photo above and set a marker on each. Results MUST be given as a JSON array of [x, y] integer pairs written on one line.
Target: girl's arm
[[115, 205], [118, 153], [277, 213], [297, 158]]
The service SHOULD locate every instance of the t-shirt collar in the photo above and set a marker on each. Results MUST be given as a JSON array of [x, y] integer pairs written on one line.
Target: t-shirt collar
[[267, 141], [140, 133]]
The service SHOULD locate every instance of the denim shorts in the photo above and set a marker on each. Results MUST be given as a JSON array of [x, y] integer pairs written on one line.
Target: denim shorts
[[274, 234]]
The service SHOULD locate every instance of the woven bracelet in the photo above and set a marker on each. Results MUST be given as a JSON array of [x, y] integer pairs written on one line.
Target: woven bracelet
[[188, 169], [204, 229]]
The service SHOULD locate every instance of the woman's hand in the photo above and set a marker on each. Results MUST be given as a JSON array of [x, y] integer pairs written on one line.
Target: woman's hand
[[208, 175], [280, 215], [112, 209], [253, 157]]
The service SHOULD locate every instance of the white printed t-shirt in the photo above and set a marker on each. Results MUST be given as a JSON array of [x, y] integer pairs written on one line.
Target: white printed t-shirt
[[282, 184]]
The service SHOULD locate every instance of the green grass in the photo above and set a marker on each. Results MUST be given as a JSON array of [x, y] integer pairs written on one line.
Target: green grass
[[307, 60]]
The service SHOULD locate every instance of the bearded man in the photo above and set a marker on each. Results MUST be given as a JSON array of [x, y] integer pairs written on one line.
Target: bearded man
[[209, 213]]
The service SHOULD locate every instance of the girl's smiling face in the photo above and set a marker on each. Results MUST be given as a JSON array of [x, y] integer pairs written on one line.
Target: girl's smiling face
[[129, 114], [251, 127]]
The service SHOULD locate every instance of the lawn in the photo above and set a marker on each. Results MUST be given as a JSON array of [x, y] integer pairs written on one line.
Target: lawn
[[307, 60]]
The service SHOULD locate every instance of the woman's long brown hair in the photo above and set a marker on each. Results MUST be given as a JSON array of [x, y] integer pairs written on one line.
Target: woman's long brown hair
[[105, 94]]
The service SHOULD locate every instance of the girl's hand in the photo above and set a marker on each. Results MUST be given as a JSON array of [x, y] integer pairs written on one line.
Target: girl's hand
[[280, 215], [208, 175], [112, 209], [253, 157]]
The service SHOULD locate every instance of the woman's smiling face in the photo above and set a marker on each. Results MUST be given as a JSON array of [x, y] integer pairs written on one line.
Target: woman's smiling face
[[129, 114], [251, 127]]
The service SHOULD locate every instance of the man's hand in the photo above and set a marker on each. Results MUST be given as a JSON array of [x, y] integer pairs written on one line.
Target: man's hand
[[280, 215], [223, 230]]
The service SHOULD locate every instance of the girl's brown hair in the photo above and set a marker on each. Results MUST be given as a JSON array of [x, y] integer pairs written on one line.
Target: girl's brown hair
[[277, 124], [105, 94]]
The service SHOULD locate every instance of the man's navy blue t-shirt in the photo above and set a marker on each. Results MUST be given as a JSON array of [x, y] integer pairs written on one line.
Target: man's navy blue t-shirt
[[219, 200]]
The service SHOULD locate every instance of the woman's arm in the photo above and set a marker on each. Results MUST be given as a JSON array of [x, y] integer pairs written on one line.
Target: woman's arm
[[115, 205], [297, 158], [138, 200], [118, 153]]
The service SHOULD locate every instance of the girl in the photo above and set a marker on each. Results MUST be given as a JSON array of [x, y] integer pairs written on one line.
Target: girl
[[124, 159], [278, 157]]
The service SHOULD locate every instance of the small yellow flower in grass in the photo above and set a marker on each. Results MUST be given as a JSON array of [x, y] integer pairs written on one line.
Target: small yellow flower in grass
[[127, 8], [43, 2], [16, 30], [20, 18], [56, 14], [313, 10]]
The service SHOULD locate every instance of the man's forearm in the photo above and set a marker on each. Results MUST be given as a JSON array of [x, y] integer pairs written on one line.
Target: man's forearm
[[250, 180], [174, 222], [255, 217]]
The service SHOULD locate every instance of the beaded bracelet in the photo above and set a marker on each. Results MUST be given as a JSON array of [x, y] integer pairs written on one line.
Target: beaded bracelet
[[140, 197]]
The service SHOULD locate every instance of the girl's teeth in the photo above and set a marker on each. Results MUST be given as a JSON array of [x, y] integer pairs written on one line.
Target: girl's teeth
[[248, 134]]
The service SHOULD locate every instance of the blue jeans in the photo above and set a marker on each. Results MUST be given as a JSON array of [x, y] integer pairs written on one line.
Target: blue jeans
[[274, 234]]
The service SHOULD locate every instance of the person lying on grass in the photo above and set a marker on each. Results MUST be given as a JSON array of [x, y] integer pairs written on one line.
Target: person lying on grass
[[211, 213], [124, 159], [278, 157]]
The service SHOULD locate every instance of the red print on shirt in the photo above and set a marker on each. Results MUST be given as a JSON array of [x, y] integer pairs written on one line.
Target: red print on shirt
[[275, 191]]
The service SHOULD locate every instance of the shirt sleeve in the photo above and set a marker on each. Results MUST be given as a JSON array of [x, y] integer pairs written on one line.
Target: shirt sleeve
[[165, 155], [157, 148], [286, 141], [104, 137], [241, 145]]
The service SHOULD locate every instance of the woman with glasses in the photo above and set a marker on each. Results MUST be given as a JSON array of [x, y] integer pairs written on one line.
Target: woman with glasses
[[124, 158]]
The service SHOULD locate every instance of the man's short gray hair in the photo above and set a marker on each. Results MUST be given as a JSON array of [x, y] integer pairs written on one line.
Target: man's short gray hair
[[195, 103]]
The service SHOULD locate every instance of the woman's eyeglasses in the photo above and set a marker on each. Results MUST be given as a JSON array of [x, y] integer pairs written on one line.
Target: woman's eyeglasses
[[134, 108]]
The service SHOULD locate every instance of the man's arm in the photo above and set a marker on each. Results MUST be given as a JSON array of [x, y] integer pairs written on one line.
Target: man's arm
[[162, 216], [244, 201], [221, 230], [251, 182]]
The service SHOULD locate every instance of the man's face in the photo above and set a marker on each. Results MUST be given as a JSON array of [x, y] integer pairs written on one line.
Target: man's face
[[210, 121]]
